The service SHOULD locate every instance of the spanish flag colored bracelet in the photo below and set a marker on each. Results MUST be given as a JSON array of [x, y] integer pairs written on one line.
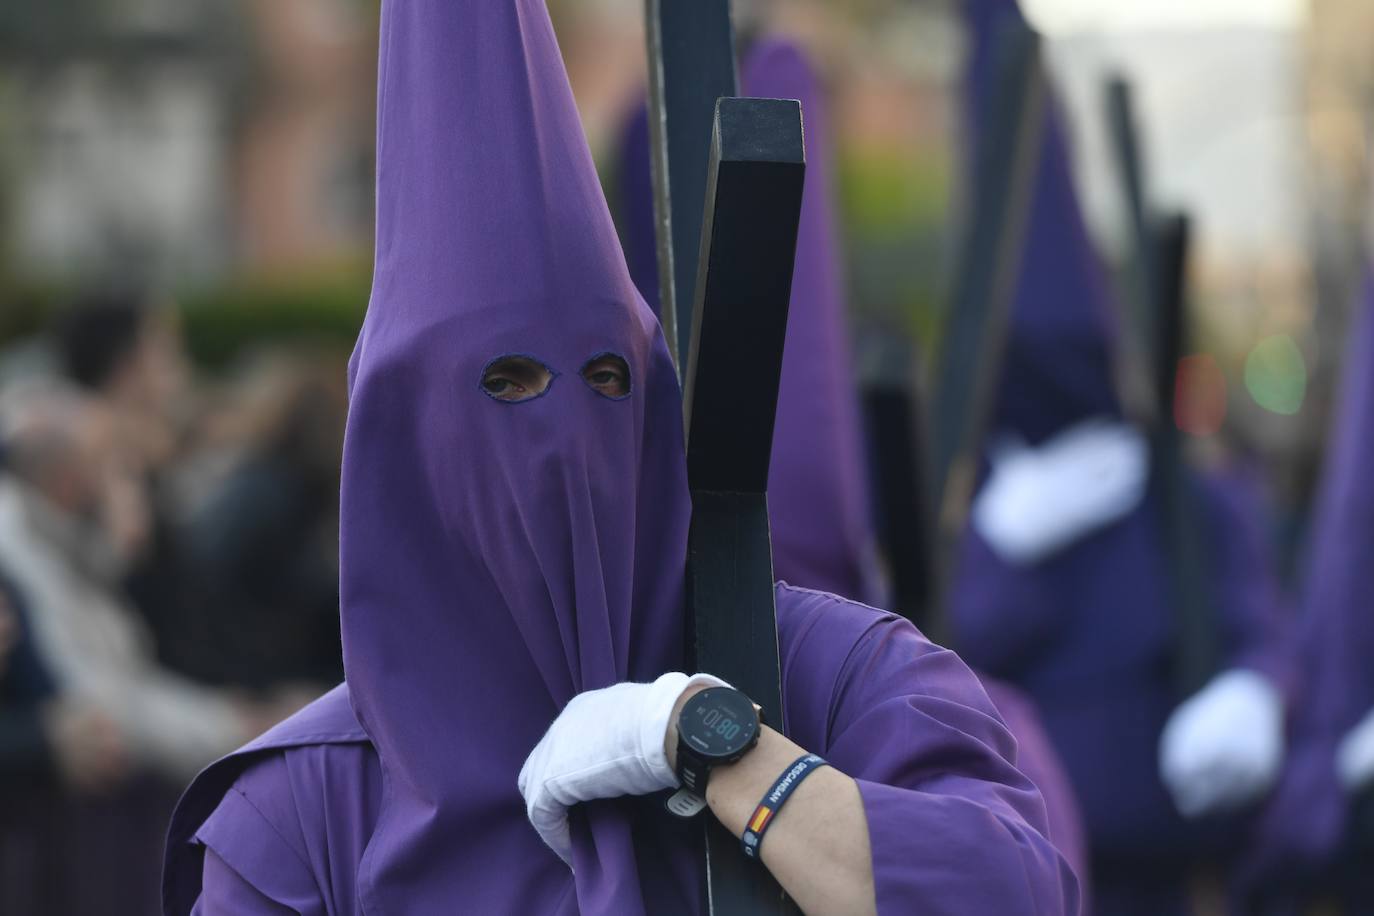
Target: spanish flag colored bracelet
[[757, 825]]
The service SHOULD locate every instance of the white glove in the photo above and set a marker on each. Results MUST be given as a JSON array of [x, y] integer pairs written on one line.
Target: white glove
[[1223, 747], [1355, 755], [606, 743], [1039, 500]]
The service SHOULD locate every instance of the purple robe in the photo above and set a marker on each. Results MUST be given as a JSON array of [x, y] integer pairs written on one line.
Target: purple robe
[[1307, 820], [498, 558], [1089, 632], [1037, 758], [955, 829]]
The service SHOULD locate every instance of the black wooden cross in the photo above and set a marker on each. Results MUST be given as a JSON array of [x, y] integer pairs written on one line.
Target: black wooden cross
[[1157, 328], [726, 280], [749, 239]]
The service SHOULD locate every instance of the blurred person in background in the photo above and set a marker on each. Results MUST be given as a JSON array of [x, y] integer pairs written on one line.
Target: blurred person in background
[[259, 540], [43, 734], [74, 820], [125, 350], [1063, 582], [1316, 839], [234, 565], [69, 516]]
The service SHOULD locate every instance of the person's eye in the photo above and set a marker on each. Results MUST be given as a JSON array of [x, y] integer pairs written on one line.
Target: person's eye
[[516, 378], [608, 375]]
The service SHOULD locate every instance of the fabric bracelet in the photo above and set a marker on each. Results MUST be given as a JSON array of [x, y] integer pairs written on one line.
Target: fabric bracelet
[[757, 825]]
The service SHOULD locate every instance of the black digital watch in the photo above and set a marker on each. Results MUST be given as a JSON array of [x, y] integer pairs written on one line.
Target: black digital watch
[[717, 726]]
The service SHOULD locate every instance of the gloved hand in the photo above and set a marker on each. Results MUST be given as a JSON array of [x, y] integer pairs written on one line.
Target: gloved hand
[[1039, 500], [1355, 755], [1223, 747], [606, 743]]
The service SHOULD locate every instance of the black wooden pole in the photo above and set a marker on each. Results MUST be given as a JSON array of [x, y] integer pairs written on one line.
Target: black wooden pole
[[1008, 156], [725, 275], [1156, 326], [1125, 143], [743, 287], [1138, 356], [691, 46], [893, 427], [1195, 605]]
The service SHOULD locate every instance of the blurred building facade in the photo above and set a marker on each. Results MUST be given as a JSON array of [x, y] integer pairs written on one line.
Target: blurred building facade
[[172, 140]]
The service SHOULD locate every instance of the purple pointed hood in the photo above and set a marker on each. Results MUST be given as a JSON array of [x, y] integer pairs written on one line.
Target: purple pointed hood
[[1057, 368], [635, 196], [497, 558]]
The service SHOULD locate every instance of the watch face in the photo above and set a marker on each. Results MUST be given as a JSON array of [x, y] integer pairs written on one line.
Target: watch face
[[719, 723]]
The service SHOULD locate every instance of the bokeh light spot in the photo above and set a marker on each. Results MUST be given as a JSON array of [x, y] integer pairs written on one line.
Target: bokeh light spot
[[1276, 375], [1200, 398]]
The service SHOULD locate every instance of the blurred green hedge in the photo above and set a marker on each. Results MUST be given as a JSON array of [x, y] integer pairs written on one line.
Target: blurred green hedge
[[222, 321]]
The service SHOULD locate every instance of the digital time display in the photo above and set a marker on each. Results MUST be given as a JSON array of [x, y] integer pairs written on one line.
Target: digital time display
[[719, 723]]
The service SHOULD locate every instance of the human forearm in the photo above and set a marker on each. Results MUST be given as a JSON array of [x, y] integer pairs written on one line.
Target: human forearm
[[817, 845]]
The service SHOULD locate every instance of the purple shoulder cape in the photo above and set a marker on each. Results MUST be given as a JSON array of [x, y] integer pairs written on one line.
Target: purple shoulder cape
[[328, 720]]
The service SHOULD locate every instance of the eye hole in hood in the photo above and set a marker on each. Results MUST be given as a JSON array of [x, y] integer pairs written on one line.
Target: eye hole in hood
[[608, 375], [514, 378]]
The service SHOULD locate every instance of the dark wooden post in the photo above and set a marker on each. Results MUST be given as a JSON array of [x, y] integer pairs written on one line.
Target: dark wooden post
[[895, 437], [990, 261], [691, 65], [1121, 122], [1157, 331], [725, 276], [1138, 354], [1195, 659]]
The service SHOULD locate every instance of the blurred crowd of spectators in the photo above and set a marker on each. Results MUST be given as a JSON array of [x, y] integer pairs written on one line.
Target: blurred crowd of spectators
[[168, 585]]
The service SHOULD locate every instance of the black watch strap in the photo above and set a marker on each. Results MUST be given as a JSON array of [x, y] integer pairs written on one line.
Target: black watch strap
[[692, 772]]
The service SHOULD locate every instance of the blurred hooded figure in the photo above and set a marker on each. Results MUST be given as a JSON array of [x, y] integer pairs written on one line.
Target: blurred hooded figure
[[1317, 833], [513, 544], [818, 487], [1063, 586]]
